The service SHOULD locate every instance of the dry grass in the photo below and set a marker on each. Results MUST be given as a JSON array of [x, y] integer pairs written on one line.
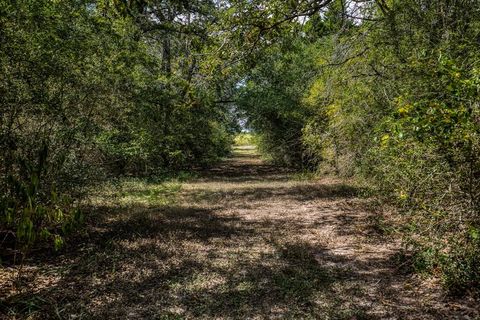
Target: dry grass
[[243, 240]]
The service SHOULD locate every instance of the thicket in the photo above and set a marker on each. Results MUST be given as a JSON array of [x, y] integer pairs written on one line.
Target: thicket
[[388, 92], [92, 89]]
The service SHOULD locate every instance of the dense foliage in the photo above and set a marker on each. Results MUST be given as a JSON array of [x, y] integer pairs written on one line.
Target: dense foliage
[[386, 91], [90, 89]]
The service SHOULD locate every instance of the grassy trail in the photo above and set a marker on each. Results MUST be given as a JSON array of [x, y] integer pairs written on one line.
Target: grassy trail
[[242, 240]]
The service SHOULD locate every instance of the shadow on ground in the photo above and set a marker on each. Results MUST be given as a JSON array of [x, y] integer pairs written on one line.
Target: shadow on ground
[[237, 253]]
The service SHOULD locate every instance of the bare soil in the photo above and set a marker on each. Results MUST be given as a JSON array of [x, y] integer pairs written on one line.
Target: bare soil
[[242, 240]]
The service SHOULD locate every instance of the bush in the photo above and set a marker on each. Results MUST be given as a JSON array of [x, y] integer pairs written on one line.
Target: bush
[[85, 94]]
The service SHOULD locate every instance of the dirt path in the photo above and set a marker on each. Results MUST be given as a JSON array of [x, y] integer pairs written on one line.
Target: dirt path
[[243, 240]]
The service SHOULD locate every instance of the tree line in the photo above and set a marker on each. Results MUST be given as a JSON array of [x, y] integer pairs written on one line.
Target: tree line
[[386, 92]]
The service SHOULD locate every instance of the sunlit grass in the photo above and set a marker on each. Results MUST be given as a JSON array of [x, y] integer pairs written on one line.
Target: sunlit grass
[[134, 191], [245, 139]]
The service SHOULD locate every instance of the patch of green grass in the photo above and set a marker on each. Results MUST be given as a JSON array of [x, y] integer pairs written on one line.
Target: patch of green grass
[[136, 191], [304, 176]]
